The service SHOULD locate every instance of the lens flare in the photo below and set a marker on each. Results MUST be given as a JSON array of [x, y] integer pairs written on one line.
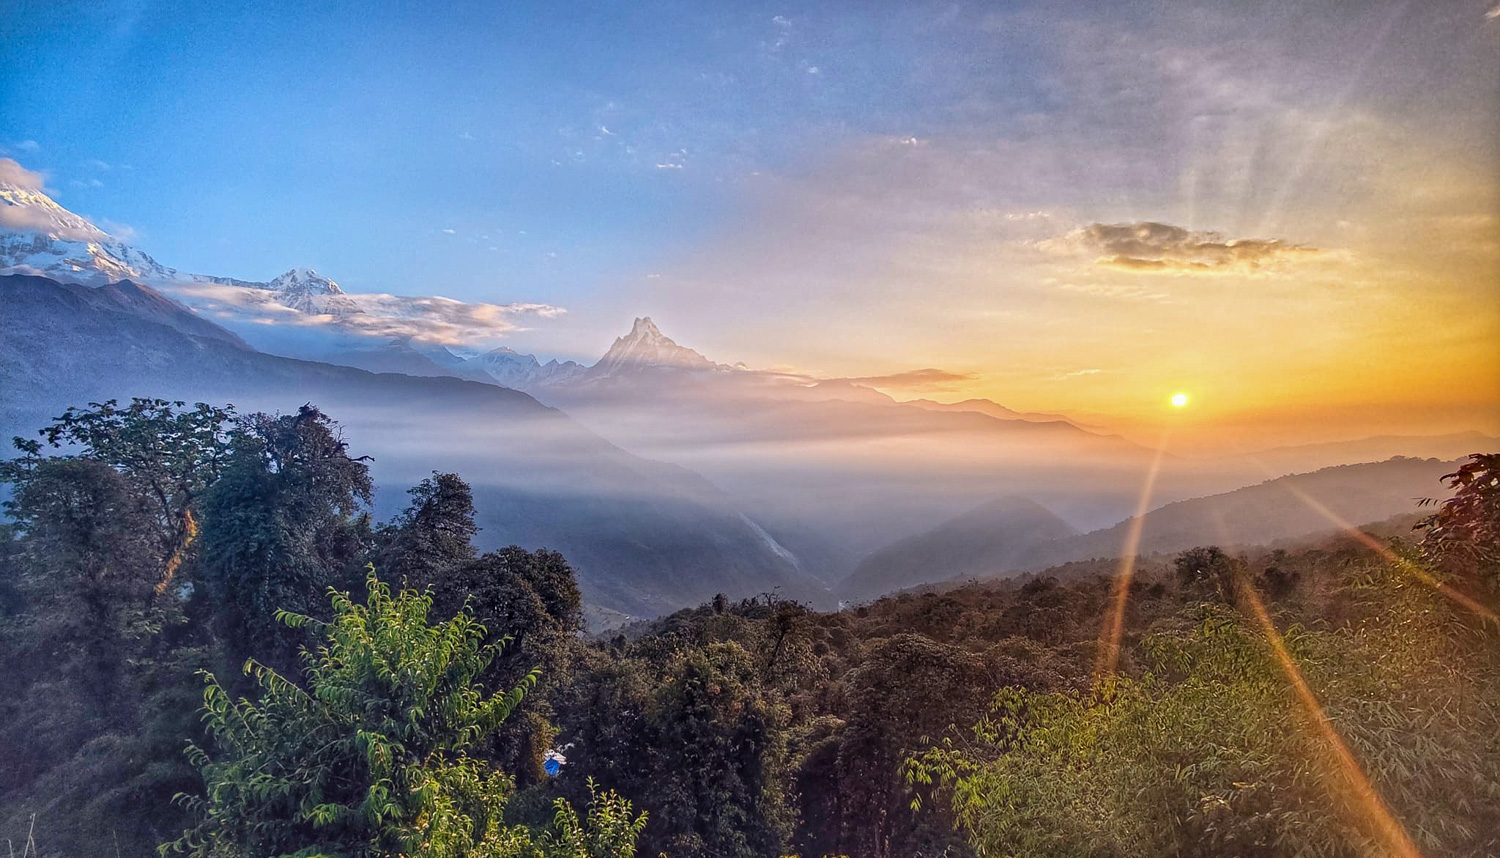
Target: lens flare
[[1377, 814], [1114, 622]]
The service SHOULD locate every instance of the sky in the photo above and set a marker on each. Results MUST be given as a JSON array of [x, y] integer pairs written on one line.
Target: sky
[[1289, 210]]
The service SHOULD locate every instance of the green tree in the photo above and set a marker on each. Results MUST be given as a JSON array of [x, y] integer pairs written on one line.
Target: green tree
[[1211, 752], [371, 758], [533, 596], [433, 534], [1208, 572], [167, 454], [1463, 536], [285, 521], [98, 649], [691, 734]]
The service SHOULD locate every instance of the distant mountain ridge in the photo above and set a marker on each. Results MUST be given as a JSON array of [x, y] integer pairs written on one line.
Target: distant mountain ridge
[[646, 537], [995, 535], [1280, 509]]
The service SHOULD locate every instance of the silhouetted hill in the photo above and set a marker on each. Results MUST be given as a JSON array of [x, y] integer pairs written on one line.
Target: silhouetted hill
[[1283, 508]]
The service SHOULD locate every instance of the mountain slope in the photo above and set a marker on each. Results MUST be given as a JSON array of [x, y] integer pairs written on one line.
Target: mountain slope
[[645, 537], [1283, 508], [979, 543], [42, 238], [999, 542]]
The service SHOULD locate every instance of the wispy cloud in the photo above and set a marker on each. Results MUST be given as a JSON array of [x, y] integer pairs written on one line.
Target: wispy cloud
[[35, 218], [376, 315], [1115, 290], [1147, 246], [12, 173], [1079, 373], [916, 379]]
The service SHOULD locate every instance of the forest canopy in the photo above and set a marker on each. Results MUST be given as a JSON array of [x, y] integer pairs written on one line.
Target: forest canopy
[[212, 647]]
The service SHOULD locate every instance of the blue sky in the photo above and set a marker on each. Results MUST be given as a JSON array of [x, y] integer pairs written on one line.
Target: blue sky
[[844, 188], [245, 138]]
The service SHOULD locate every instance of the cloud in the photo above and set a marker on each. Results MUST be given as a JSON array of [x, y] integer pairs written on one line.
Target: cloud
[[122, 231], [12, 173], [916, 379], [1158, 247], [375, 315], [1079, 373], [28, 145], [1116, 290]]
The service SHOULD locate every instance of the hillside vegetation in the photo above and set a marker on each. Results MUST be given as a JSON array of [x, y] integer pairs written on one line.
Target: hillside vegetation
[[209, 642]]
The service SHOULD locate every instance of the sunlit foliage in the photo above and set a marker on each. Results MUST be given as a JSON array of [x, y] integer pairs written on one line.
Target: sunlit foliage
[[1207, 751], [371, 757]]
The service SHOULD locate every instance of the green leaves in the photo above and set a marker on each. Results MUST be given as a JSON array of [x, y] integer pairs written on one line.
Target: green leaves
[[1208, 752], [370, 757]]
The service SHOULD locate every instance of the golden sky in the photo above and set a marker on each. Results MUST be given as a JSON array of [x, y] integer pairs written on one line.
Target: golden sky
[[1301, 233]]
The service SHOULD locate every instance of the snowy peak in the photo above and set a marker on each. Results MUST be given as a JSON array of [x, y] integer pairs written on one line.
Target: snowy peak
[[304, 281], [307, 291], [31, 210], [644, 328], [510, 368], [647, 347], [40, 237]]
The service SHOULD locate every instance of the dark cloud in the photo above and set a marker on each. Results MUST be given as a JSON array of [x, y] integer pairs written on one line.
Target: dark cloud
[[1161, 247]]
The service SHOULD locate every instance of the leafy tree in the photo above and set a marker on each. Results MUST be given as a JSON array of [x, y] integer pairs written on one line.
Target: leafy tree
[[1208, 572], [907, 689], [285, 521], [1210, 752], [691, 734], [1463, 536], [97, 646], [534, 596], [433, 534], [169, 455], [371, 757]]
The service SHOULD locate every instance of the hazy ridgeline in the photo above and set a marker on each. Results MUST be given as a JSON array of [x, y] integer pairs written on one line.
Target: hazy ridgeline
[[169, 540]]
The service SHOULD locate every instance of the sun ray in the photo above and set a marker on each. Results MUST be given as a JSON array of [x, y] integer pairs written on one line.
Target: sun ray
[[1114, 624], [1371, 806], [1392, 557]]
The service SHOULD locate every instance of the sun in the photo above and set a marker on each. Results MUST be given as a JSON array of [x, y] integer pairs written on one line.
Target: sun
[[1179, 400]]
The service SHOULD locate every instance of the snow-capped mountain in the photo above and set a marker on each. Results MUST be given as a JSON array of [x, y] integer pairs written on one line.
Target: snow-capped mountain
[[522, 371], [307, 291], [647, 347], [40, 237]]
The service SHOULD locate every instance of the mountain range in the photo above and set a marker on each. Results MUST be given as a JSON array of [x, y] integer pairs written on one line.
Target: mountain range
[[714, 478], [645, 537], [1010, 536]]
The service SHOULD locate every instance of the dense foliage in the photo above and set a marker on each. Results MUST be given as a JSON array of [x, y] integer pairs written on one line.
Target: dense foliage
[[160, 543], [150, 545], [372, 757]]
